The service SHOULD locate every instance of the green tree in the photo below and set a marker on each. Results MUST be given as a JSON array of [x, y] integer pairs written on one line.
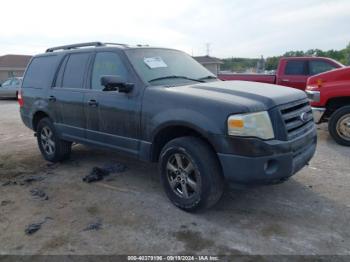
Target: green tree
[[242, 64], [272, 62]]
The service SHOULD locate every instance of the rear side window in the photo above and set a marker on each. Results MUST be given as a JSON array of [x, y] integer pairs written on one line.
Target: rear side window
[[296, 68], [317, 67], [40, 72], [75, 70]]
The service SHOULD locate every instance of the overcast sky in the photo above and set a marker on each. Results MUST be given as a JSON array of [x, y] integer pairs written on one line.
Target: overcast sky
[[238, 28]]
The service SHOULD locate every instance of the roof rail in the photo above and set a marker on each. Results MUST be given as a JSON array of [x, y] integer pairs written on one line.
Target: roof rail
[[67, 47], [124, 45]]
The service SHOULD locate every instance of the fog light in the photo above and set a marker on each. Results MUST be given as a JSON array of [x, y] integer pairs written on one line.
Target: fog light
[[270, 166]]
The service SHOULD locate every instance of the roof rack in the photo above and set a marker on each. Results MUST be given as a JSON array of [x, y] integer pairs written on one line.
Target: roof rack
[[68, 47], [74, 46]]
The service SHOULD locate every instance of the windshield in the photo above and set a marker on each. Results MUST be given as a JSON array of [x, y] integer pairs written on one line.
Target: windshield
[[7, 82], [163, 66]]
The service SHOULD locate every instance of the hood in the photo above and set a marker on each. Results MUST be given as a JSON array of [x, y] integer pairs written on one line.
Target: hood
[[250, 95], [339, 74]]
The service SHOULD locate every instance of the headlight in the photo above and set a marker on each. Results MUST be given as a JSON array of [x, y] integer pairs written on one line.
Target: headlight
[[313, 96], [251, 124]]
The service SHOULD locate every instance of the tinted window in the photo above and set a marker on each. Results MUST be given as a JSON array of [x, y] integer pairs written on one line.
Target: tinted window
[[295, 68], [317, 67], [75, 70], [61, 72], [40, 72], [107, 63]]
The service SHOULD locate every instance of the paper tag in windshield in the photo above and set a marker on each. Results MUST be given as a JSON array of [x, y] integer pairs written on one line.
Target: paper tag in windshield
[[154, 62]]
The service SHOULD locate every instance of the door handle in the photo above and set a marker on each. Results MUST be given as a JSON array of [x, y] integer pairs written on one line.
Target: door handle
[[52, 99], [93, 103], [285, 80]]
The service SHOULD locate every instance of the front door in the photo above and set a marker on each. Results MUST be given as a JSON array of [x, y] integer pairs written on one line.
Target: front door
[[112, 118]]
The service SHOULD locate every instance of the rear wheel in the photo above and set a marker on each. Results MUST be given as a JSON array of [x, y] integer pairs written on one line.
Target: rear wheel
[[339, 126], [190, 173], [51, 146]]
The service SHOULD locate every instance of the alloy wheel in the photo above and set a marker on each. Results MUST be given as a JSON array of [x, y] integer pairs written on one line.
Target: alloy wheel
[[47, 141], [182, 175]]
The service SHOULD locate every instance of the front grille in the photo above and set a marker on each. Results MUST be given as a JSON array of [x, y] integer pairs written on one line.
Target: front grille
[[297, 117]]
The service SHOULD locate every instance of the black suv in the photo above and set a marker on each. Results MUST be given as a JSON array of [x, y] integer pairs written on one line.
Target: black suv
[[160, 105]]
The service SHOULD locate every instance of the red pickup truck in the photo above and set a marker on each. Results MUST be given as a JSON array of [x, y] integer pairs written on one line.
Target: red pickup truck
[[291, 71], [329, 95]]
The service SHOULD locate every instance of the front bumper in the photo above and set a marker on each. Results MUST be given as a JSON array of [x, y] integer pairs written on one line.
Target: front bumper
[[288, 158], [318, 113]]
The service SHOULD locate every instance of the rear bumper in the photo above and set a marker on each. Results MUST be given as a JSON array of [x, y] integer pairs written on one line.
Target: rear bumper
[[318, 113], [272, 168], [26, 119]]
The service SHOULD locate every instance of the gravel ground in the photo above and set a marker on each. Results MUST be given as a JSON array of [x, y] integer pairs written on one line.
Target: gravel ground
[[308, 214]]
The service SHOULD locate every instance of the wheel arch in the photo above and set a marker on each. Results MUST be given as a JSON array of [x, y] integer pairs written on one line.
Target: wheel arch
[[170, 131], [37, 116], [334, 103]]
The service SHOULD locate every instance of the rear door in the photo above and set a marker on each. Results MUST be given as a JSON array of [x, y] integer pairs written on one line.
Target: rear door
[[66, 98], [112, 118], [294, 74]]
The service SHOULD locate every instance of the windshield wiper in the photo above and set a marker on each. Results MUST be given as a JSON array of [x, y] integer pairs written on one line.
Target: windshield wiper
[[207, 77], [175, 76]]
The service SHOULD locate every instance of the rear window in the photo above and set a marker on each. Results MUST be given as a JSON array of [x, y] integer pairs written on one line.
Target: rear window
[[40, 72], [317, 67], [296, 68]]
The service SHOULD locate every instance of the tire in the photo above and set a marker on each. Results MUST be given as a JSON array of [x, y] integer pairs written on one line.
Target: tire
[[339, 126], [196, 183], [51, 146]]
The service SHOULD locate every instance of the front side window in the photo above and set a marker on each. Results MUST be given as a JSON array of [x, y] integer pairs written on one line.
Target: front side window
[[40, 72], [317, 67], [296, 68], [107, 63], [75, 70], [15, 82]]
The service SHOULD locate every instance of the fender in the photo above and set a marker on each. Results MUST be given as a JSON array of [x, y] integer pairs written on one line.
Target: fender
[[183, 117]]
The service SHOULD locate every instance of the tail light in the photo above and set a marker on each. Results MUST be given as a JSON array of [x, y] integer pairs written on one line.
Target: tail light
[[20, 98]]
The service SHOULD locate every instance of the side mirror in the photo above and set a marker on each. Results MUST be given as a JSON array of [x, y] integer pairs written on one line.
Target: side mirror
[[116, 83]]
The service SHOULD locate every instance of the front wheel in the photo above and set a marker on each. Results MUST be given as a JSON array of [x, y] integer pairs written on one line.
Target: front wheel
[[51, 146], [190, 173], [339, 126]]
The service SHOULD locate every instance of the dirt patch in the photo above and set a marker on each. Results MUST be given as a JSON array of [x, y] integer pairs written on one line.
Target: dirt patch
[[273, 230], [6, 203], [56, 242], [13, 165], [193, 240], [92, 210]]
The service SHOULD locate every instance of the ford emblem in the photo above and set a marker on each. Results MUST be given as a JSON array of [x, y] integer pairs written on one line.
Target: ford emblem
[[303, 117]]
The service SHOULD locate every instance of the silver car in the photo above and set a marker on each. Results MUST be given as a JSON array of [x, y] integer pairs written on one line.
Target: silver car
[[10, 87]]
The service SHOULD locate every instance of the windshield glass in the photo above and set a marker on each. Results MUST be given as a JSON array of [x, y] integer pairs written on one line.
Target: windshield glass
[[163, 66], [7, 82]]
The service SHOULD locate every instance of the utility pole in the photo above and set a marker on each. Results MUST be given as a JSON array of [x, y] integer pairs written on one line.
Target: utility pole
[[208, 48]]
